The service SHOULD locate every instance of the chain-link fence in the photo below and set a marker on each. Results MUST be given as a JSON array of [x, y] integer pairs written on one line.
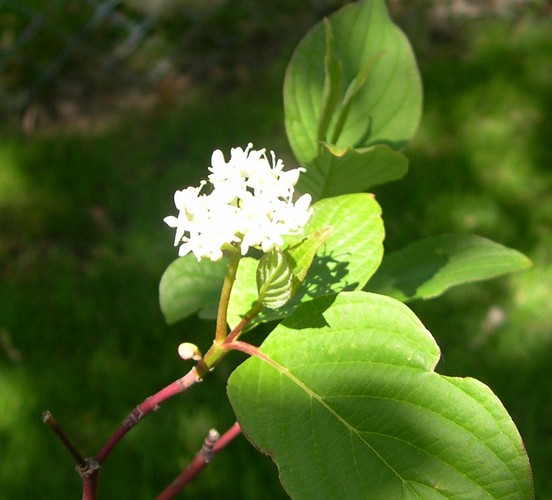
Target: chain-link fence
[[60, 39], [72, 48]]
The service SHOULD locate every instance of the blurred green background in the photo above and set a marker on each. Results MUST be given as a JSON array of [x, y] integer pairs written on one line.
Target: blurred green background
[[91, 156]]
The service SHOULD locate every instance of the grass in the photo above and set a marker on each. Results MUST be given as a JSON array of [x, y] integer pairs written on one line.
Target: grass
[[82, 248]]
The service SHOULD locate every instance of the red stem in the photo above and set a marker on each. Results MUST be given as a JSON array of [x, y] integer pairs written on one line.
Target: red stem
[[89, 475], [228, 436], [240, 345], [239, 327], [236, 330], [145, 408], [211, 446], [89, 468]]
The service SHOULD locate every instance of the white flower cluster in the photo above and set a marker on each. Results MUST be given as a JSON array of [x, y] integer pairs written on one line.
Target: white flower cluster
[[249, 204]]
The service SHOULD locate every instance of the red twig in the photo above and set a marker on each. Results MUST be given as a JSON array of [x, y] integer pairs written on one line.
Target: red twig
[[89, 475], [241, 324], [228, 436], [211, 446], [145, 408], [88, 468]]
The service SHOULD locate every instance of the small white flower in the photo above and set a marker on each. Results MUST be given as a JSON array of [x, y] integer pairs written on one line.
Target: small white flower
[[248, 204]]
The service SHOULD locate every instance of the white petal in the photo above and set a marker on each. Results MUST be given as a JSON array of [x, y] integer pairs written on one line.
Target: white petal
[[171, 221], [217, 159]]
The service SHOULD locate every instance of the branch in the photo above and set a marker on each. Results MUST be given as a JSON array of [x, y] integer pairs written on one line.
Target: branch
[[227, 437], [53, 424], [211, 446], [218, 350], [248, 316], [88, 468], [145, 408]]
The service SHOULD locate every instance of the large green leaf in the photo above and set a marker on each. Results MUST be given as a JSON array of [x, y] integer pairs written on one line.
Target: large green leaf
[[351, 254], [188, 286], [429, 267], [347, 404], [337, 172], [352, 83]]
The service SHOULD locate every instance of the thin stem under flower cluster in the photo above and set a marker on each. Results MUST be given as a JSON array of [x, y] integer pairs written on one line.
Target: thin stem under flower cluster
[[231, 270]]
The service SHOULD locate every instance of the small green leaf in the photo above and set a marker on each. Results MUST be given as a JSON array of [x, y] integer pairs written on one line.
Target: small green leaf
[[347, 404], [336, 172], [188, 286], [300, 254], [427, 268], [274, 279], [371, 60]]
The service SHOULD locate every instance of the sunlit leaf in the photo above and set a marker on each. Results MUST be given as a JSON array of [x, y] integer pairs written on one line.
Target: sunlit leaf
[[379, 96], [347, 404], [301, 253]]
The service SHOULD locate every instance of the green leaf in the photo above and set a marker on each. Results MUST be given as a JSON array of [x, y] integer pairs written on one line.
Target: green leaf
[[188, 286], [337, 172], [274, 279], [351, 254], [300, 254], [354, 249], [347, 404], [380, 98], [244, 293], [429, 267]]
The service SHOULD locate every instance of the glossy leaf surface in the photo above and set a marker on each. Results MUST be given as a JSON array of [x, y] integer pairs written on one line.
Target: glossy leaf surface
[[337, 172], [346, 402]]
